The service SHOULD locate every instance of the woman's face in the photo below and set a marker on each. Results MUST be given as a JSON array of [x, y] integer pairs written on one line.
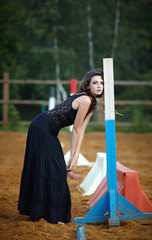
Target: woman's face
[[96, 85]]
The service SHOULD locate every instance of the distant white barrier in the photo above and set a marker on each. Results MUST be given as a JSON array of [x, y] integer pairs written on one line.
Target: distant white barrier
[[82, 161], [95, 175]]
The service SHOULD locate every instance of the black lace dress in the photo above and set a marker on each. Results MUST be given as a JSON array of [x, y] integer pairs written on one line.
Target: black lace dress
[[44, 191]]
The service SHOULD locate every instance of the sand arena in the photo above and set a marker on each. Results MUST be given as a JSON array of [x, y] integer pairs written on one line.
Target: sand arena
[[133, 150]]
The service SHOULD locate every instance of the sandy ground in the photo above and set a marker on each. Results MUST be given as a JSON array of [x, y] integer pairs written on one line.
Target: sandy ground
[[133, 150]]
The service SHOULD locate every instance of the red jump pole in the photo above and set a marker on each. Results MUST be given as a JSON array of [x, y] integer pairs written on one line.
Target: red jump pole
[[73, 85]]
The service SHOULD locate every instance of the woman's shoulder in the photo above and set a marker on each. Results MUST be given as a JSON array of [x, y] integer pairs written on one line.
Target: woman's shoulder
[[82, 94], [84, 98]]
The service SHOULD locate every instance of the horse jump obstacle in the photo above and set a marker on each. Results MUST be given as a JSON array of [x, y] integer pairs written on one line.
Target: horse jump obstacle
[[128, 185], [112, 202]]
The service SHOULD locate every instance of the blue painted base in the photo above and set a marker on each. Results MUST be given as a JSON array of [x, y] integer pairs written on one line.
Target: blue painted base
[[98, 213]]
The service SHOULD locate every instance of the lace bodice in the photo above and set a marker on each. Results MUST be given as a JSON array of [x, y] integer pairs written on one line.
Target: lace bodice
[[64, 114]]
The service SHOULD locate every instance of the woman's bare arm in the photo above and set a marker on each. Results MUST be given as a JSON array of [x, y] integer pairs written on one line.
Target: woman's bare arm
[[78, 130], [82, 131]]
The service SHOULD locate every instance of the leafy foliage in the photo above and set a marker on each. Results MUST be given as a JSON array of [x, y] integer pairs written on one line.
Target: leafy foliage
[[29, 28], [14, 116]]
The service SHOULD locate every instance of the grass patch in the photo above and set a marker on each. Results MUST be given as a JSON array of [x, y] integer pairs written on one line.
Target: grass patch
[[17, 128]]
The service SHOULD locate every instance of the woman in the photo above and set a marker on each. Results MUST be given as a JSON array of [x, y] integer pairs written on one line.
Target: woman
[[44, 191]]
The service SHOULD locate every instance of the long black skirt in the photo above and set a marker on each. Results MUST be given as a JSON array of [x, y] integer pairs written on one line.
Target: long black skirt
[[44, 192]]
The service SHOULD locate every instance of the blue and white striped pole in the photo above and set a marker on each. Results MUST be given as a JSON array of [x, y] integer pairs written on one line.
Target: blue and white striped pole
[[110, 139]]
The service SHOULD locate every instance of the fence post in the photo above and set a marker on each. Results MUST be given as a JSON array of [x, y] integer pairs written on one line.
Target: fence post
[[5, 97]]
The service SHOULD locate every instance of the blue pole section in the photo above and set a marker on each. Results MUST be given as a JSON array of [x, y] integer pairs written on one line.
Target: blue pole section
[[111, 155], [112, 171]]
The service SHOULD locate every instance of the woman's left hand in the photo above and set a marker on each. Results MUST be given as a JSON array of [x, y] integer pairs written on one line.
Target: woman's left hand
[[72, 164]]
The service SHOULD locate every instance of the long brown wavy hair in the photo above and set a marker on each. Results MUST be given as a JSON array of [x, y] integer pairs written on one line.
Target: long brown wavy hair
[[84, 84]]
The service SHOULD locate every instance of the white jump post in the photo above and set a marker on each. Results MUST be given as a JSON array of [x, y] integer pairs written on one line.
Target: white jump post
[[51, 98]]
